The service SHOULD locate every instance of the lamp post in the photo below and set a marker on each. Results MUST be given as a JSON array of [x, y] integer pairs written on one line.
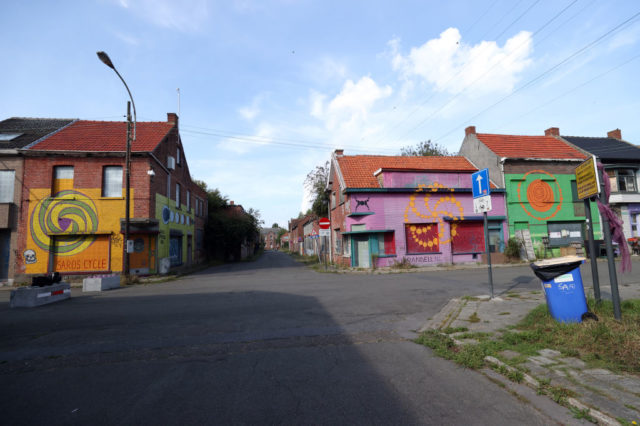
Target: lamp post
[[105, 59]]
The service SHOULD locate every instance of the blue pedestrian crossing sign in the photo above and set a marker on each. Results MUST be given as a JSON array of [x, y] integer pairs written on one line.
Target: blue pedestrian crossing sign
[[480, 183]]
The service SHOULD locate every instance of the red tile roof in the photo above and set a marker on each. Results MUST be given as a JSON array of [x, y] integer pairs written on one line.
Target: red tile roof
[[358, 170], [512, 146], [105, 136]]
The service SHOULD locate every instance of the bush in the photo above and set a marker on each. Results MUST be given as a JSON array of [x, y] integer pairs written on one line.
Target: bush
[[512, 251]]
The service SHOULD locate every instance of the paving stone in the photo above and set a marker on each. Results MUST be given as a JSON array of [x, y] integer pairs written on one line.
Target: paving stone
[[573, 362], [509, 354], [541, 360], [549, 353]]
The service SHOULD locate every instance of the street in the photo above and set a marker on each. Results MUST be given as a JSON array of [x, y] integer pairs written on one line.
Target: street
[[266, 342]]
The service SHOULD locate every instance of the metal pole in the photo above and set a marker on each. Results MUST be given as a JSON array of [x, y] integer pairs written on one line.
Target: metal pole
[[593, 257], [613, 277], [488, 252], [128, 194]]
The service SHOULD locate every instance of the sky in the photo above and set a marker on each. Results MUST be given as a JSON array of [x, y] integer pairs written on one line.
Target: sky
[[269, 89]]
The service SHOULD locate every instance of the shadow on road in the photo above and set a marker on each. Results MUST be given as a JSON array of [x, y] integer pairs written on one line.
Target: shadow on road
[[223, 358]]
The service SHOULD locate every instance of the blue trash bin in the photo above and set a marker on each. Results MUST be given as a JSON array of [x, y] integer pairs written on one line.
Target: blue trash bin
[[563, 288]]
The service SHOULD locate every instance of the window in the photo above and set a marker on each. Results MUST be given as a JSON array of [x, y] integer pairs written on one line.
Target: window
[[338, 239], [578, 204], [7, 179], [386, 244], [422, 238], [333, 200], [177, 195], [178, 155], [341, 197], [112, 181], [62, 178], [346, 245], [6, 137], [622, 180], [188, 200], [467, 237]]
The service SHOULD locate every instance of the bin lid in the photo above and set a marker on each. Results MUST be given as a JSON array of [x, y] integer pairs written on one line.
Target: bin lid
[[549, 269]]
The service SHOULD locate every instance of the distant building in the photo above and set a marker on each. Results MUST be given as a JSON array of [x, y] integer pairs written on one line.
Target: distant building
[[269, 237]]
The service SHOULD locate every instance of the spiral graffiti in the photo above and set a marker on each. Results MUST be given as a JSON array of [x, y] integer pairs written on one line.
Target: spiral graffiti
[[69, 213], [421, 234], [540, 195]]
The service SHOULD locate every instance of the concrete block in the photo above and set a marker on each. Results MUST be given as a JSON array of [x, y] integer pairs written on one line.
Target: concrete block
[[101, 283], [549, 353], [29, 297]]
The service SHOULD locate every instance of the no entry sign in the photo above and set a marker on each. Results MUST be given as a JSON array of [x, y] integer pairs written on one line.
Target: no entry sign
[[324, 223]]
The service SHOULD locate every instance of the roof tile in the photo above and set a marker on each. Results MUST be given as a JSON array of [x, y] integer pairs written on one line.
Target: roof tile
[[105, 136], [514, 146], [358, 170]]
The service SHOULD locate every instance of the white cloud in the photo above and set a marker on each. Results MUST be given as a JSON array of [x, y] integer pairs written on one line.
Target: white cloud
[[185, 15], [129, 39], [451, 65], [354, 102], [251, 111]]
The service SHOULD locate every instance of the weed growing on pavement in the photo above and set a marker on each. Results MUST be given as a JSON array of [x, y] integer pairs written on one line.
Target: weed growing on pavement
[[504, 313], [582, 414], [403, 264], [451, 330], [474, 318]]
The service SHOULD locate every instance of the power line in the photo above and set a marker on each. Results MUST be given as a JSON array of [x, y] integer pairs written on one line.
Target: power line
[[457, 95], [547, 72]]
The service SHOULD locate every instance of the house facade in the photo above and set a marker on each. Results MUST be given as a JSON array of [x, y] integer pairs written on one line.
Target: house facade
[[537, 173], [408, 209], [269, 238], [16, 134], [621, 161], [74, 192]]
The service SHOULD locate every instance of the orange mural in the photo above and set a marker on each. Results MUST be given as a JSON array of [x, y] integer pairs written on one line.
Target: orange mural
[[421, 234], [94, 258], [540, 195]]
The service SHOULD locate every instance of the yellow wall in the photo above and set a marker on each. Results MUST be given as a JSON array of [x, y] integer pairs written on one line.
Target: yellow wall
[[87, 227]]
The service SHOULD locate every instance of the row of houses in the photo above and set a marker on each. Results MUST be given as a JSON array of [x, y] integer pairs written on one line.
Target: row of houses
[[62, 198], [386, 209]]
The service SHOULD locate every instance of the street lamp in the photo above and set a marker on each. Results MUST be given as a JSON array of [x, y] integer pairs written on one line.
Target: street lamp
[[105, 59]]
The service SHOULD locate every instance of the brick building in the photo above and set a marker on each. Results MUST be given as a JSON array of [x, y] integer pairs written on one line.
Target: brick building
[[74, 201], [15, 134], [385, 209]]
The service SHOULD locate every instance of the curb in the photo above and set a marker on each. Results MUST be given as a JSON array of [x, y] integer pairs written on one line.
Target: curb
[[600, 417]]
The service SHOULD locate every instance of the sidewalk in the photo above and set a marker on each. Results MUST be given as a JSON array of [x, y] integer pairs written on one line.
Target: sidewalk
[[616, 396]]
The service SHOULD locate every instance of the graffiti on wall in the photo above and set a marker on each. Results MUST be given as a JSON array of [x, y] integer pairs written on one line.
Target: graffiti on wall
[[423, 235], [539, 194], [67, 212]]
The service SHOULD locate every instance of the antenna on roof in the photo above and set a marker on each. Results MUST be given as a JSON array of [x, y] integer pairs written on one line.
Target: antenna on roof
[[178, 90]]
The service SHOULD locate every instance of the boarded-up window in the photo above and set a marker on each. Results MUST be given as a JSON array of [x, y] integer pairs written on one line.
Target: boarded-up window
[[564, 233], [81, 253], [422, 238], [467, 237], [386, 244]]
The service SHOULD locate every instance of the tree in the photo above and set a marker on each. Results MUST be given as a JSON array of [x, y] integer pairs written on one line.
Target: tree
[[275, 225], [316, 184], [424, 148]]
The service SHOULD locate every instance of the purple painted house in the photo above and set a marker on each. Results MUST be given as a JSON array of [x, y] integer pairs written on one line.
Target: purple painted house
[[386, 209]]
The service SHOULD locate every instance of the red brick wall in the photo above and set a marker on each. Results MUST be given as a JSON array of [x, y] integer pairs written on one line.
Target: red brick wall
[[337, 217]]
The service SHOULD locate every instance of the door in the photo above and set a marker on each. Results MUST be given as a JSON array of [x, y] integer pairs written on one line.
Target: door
[[5, 253], [362, 251]]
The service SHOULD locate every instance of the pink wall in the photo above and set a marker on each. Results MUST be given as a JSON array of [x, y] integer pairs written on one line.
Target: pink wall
[[390, 208]]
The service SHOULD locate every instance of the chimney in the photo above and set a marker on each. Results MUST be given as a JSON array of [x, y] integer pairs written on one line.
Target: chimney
[[471, 130], [172, 118], [616, 134], [231, 203], [552, 131], [339, 151]]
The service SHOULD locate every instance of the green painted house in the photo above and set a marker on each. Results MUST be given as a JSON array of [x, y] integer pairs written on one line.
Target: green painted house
[[537, 173]]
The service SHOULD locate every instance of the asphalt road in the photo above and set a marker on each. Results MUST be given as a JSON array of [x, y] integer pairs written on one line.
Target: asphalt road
[[268, 342]]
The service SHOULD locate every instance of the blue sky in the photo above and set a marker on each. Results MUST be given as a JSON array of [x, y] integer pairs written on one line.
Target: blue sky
[[270, 88]]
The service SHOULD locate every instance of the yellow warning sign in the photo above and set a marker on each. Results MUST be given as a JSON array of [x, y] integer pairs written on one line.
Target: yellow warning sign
[[587, 179]]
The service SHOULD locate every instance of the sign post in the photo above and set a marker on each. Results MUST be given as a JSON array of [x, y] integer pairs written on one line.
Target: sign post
[[481, 189], [588, 184], [325, 232]]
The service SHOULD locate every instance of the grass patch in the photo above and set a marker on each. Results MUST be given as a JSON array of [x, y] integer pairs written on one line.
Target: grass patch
[[451, 330], [474, 318], [504, 313], [606, 343], [307, 260]]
